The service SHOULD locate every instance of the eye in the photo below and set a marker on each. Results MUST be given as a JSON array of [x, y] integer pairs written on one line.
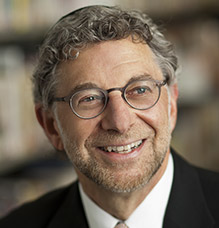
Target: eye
[[140, 90], [90, 99]]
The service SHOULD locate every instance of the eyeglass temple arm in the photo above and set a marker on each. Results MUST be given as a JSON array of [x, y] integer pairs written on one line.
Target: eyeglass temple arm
[[60, 99], [162, 83]]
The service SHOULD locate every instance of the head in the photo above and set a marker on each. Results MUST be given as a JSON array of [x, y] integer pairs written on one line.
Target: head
[[107, 47]]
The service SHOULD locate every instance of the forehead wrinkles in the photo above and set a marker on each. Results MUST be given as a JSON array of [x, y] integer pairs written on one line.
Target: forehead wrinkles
[[107, 58], [127, 53], [115, 51]]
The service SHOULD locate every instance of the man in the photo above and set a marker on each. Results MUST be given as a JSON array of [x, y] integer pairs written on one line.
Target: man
[[105, 92]]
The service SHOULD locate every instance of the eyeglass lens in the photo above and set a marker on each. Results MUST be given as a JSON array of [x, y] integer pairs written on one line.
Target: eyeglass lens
[[89, 103]]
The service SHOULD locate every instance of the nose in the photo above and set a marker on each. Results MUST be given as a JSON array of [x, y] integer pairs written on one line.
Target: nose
[[118, 115]]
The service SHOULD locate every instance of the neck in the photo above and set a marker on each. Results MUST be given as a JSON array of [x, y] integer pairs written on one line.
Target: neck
[[120, 205]]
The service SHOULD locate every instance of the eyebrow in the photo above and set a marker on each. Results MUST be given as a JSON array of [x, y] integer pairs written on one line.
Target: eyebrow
[[139, 77], [87, 85], [90, 85]]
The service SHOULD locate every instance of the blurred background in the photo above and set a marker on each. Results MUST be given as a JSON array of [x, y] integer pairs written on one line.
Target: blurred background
[[28, 164]]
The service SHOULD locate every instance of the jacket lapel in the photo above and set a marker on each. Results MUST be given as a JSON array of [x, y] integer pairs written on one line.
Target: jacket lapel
[[71, 212], [187, 206]]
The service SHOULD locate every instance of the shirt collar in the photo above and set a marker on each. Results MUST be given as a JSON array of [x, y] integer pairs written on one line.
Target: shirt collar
[[150, 213]]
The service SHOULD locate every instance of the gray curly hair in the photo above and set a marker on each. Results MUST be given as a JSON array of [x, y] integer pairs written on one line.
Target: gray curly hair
[[90, 25]]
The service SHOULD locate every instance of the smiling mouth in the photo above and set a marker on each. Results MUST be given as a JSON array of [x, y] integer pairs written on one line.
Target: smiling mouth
[[122, 149]]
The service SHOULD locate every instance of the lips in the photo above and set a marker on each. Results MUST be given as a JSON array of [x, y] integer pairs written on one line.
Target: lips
[[122, 149]]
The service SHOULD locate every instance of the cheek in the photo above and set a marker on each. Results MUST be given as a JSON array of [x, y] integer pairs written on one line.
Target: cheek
[[78, 130], [157, 117]]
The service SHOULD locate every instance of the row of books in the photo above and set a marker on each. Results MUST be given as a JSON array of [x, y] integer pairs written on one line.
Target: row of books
[[28, 15], [19, 131], [22, 16]]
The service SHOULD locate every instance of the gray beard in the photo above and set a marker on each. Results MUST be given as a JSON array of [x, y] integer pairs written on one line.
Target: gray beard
[[103, 176]]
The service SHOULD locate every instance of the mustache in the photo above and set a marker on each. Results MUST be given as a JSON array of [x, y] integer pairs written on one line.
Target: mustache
[[111, 137]]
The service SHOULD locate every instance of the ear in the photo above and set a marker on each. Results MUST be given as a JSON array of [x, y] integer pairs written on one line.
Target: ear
[[48, 122], [173, 105]]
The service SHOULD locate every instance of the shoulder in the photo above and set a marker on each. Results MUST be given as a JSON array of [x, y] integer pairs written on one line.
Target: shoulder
[[210, 184], [201, 182], [209, 180], [38, 212]]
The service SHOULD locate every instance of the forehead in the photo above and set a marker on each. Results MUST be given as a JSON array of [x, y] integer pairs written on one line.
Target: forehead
[[110, 62]]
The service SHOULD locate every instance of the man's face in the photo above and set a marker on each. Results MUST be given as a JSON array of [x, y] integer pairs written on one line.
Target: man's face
[[112, 64]]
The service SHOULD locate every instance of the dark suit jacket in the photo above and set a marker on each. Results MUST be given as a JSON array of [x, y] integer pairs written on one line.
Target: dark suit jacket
[[193, 203]]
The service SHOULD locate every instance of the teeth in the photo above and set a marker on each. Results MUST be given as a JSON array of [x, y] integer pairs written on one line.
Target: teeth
[[109, 148], [122, 149], [127, 147], [113, 148]]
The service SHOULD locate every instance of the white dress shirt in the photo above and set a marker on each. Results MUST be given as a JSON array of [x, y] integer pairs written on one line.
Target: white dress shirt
[[150, 213]]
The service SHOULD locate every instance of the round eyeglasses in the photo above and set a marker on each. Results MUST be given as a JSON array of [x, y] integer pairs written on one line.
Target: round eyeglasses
[[90, 103]]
